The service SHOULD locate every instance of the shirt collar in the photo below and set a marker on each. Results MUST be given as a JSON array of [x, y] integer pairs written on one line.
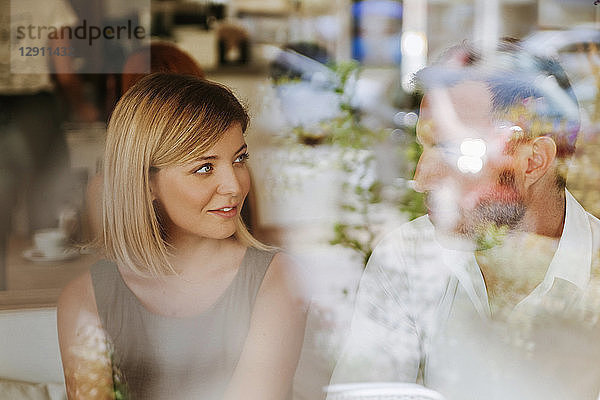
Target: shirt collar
[[571, 262], [573, 257]]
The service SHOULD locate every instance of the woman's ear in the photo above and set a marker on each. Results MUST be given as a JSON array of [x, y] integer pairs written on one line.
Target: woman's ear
[[152, 184], [540, 159]]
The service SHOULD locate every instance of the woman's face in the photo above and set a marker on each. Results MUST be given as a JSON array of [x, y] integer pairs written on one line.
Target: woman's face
[[202, 198]]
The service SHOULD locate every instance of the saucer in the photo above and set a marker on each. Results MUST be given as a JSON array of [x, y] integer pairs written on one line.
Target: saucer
[[36, 255]]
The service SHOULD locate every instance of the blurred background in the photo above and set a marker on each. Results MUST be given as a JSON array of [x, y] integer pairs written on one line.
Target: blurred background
[[329, 88]]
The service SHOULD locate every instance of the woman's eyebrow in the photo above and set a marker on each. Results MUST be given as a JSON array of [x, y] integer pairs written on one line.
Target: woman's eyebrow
[[244, 146], [202, 158], [207, 158]]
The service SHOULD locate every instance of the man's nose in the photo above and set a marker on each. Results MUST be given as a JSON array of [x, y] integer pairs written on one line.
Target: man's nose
[[428, 171], [229, 182]]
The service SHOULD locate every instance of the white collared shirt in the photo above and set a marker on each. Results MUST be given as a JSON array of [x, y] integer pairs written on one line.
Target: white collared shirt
[[422, 314]]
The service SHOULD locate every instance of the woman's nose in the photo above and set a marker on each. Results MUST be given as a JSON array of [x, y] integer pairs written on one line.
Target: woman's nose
[[229, 183]]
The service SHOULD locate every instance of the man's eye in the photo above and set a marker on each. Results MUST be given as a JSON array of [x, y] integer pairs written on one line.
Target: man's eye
[[242, 158], [205, 169], [447, 148]]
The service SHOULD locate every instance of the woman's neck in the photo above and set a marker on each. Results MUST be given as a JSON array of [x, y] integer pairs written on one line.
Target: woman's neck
[[188, 253]]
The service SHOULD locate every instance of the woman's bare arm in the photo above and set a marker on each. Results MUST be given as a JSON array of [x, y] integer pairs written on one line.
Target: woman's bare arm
[[268, 361], [83, 344]]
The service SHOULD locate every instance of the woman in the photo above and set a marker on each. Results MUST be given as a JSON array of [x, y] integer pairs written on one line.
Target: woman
[[195, 307]]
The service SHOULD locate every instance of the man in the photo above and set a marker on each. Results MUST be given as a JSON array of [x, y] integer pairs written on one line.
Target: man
[[493, 294]]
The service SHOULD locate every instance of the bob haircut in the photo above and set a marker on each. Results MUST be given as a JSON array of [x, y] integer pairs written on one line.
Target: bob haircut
[[163, 120]]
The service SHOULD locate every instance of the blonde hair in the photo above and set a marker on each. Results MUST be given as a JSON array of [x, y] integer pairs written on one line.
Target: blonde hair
[[163, 120]]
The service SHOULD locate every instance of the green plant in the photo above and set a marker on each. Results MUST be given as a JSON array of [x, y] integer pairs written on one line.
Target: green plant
[[349, 134], [346, 130], [358, 236], [412, 203]]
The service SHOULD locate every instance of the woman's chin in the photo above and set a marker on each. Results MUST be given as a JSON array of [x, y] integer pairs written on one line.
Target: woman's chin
[[222, 234]]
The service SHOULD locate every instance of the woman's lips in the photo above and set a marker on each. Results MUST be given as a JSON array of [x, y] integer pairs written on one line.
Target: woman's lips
[[225, 212]]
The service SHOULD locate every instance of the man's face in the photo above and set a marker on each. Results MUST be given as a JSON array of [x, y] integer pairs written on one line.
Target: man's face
[[471, 183]]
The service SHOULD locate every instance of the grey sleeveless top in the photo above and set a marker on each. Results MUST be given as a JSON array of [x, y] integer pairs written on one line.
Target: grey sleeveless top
[[183, 358]]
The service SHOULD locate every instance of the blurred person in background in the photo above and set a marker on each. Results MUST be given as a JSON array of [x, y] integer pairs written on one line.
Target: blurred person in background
[[164, 57], [494, 294], [192, 305], [33, 149]]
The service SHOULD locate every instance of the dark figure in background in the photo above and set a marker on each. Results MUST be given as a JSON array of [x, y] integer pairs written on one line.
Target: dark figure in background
[[33, 150], [164, 57]]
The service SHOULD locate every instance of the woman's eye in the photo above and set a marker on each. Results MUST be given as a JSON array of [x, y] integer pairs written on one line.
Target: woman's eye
[[205, 169], [242, 158]]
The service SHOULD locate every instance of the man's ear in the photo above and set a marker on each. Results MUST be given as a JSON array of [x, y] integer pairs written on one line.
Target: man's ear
[[540, 159]]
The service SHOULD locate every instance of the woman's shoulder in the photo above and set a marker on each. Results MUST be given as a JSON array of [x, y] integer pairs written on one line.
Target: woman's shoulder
[[78, 294], [283, 262], [78, 322], [284, 278], [81, 289], [76, 312]]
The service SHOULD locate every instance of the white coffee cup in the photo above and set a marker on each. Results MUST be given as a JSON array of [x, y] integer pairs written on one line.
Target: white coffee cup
[[50, 242]]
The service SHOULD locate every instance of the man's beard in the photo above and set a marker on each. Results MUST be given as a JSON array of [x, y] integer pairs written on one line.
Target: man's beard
[[491, 216], [499, 211]]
